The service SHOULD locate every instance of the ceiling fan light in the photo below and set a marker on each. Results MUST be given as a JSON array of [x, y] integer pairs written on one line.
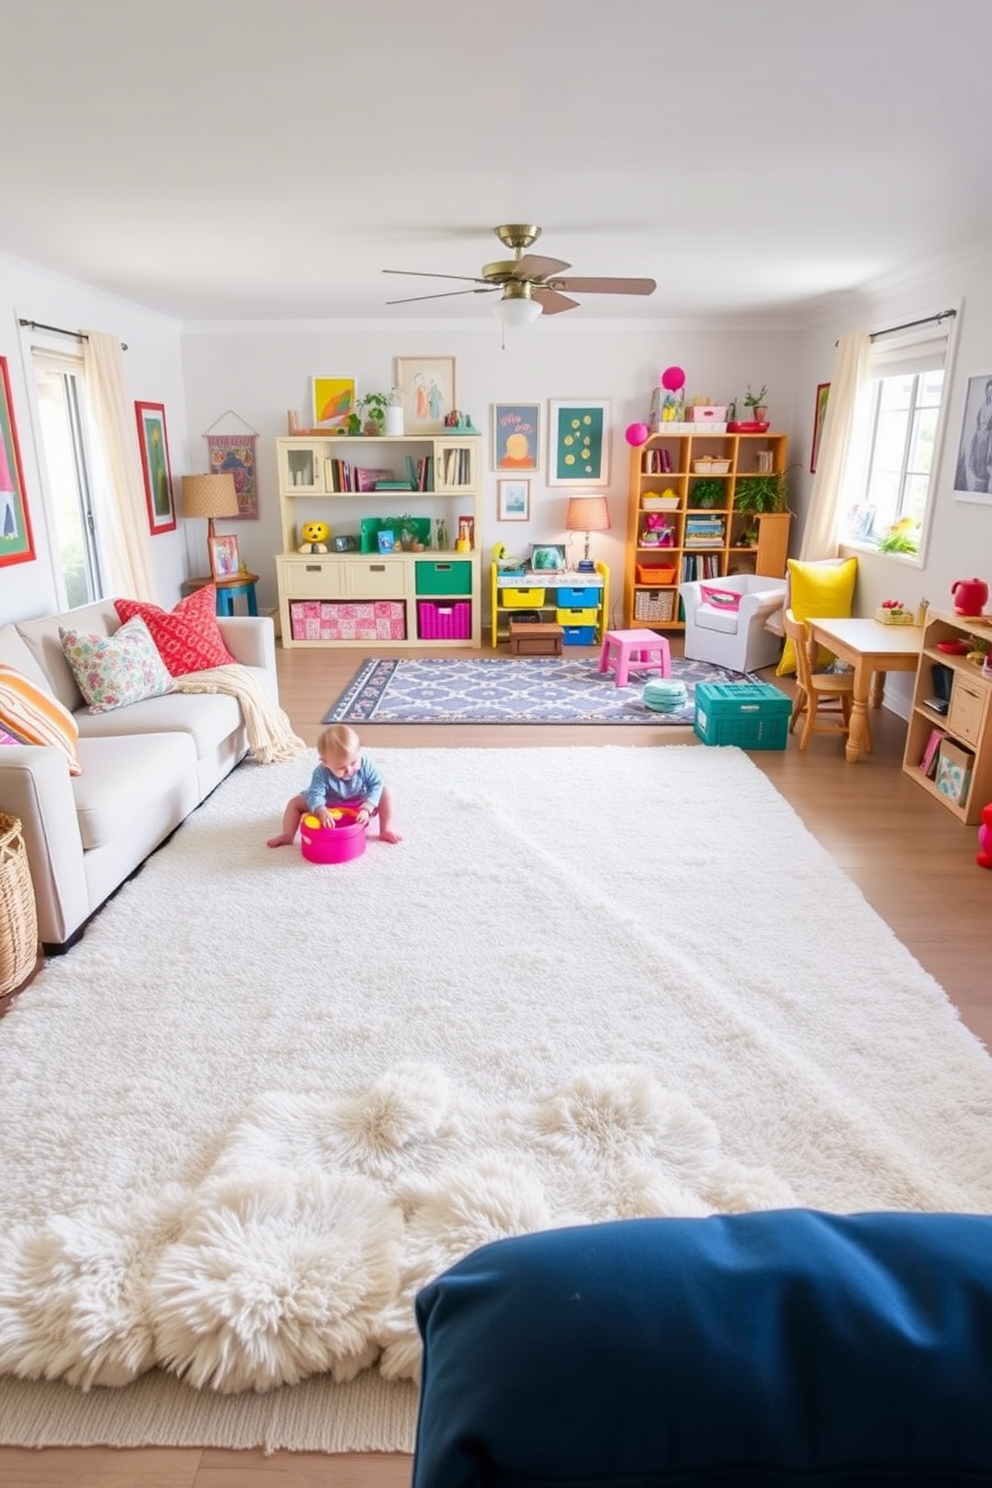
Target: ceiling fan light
[[518, 311]]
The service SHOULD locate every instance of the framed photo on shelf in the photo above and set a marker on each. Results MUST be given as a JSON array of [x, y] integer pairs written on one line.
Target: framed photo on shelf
[[16, 540], [513, 501], [973, 466], [224, 560], [333, 401], [429, 392], [516, 436], [155, 467], [819, 413], [579, 442]]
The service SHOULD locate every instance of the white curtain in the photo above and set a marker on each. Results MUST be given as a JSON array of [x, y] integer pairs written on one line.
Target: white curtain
[[849, 377], [119, 498]]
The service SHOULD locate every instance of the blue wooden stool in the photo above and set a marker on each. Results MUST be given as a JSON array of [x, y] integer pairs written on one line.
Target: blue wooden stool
[[227, 591]]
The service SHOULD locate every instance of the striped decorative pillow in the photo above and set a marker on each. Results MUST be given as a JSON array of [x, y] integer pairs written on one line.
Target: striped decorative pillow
[[35, 717]]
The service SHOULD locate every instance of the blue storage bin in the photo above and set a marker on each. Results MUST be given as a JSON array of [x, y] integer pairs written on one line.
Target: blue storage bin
[[578, 599], [578, 635]]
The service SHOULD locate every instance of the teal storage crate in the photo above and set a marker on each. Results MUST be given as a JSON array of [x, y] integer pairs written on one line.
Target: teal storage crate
[[447, 576], [752, 715]]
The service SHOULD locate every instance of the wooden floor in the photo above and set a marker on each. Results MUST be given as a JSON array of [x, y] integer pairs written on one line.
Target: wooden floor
[[913, 861]]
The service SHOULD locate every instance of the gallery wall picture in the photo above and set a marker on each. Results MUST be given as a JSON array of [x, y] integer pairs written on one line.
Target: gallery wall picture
[[516, 436], [333, 401], [513, 500], [155, 468], [429, 392], [819, 414], [16, 540], [973, 466], [578, 442]]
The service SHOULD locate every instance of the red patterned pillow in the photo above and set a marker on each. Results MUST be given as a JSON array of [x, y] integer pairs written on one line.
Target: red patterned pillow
[[188, 637]]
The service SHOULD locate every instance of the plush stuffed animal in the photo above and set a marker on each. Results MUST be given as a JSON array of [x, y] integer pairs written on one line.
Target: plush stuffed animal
[[314, 535]]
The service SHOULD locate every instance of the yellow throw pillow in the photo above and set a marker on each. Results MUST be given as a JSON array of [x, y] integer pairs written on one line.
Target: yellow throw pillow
[[821, 589], [35, 717]]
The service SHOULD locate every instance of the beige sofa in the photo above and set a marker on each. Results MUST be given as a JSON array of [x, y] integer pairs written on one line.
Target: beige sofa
[[144, 767]]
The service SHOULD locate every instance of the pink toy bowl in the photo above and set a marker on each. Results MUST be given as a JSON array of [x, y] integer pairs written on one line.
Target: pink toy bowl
[[337, 844]]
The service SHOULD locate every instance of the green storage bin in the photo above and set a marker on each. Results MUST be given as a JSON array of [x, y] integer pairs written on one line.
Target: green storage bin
[[450, 576]]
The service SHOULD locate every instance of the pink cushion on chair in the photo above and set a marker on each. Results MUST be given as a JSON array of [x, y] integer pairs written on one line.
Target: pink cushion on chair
[[721, 599]]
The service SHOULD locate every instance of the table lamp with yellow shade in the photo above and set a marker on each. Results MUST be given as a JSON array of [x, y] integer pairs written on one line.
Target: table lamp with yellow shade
[[209, 496]]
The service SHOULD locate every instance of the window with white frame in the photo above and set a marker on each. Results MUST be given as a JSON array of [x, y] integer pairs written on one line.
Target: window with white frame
[[892, 456], [67, 465]]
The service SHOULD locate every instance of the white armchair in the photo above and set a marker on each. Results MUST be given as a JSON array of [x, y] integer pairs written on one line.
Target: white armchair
[[733, 638]]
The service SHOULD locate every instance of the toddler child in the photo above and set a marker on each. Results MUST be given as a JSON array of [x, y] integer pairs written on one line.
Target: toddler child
[[344, 776]]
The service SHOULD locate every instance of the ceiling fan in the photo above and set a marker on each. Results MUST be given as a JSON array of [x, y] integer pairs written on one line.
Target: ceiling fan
[[531, 285]]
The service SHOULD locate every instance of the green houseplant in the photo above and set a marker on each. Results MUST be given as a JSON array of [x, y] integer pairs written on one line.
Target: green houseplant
[[761, 493], [708, 493], [756, 402], [373, 406]]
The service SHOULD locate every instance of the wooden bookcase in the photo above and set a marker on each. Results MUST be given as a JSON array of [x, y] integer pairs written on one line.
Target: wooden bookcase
[[701, 542], [426, 587], [967, 724]]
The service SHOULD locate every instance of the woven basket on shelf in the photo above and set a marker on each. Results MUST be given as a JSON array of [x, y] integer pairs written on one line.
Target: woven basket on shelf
[[18, 915]]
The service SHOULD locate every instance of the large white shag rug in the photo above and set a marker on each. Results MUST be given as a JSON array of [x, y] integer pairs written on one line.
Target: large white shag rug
[[263, 1101]]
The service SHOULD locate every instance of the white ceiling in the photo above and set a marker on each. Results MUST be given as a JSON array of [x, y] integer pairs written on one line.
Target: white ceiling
[[267, 159]]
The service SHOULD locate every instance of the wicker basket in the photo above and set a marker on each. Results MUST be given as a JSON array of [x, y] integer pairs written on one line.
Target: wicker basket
[[654, 604], [18, 915]]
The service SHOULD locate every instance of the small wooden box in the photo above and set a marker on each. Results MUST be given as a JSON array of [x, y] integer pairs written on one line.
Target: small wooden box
[[535, 640], [966, 714]]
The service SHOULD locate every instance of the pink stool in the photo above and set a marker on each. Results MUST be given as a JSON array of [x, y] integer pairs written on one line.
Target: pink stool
[[634, 650]]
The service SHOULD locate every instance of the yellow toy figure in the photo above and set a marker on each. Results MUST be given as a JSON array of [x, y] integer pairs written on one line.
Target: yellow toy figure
[[314, 535]]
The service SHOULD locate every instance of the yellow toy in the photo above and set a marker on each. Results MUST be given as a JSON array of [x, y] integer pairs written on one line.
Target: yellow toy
[[314, 535]]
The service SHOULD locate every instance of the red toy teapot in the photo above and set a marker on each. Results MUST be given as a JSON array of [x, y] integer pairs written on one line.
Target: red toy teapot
[[970, 596]]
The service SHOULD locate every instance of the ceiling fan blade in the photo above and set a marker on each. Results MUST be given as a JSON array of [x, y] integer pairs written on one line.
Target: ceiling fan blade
[[447, 295], [550, 301], [606, 286], [534, 266], [420, 273]]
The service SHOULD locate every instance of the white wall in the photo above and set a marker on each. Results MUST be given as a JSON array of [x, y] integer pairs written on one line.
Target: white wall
[[260, 372], [154, 374], [960, 534]]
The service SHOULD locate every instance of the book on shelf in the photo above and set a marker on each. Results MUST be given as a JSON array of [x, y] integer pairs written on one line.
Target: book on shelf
[[928, 759], [953, 771]]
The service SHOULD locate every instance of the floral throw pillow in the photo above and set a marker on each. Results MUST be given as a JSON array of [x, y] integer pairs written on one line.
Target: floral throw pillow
[[112, 671], [188, 637]]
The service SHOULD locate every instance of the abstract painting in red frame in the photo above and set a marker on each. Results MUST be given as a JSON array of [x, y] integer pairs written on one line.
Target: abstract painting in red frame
[[155, 468], [16, 540]]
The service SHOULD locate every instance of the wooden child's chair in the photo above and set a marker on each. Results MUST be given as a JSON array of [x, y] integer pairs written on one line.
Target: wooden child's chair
[[823, 699]]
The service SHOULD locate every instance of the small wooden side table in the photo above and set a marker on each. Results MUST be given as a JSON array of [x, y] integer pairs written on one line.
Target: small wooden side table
[[227, 591], [527, 639]]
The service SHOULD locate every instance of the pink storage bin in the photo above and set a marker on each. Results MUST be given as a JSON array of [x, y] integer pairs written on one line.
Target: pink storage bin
[[444, 622], [711, 413]]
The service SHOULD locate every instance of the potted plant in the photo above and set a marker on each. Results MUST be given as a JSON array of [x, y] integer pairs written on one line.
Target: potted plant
[[394, 412], [761, 493], [409, 532], [756, 403], [708, 493], [373, 406]]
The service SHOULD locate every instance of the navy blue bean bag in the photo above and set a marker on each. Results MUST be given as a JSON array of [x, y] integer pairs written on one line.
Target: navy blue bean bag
[[750, 1349]]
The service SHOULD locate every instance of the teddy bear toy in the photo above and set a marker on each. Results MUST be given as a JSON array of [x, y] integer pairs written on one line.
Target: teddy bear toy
[[984, 857], [314, 535]]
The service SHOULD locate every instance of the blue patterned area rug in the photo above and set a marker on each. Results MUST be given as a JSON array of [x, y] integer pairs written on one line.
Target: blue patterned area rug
[[532, 689]]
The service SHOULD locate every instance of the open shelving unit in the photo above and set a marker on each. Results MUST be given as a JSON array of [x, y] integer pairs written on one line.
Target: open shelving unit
[[699, 541], [965, 725]]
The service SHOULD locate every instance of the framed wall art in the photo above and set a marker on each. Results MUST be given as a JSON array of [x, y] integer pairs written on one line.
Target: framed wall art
[[819, 413], [973, 466], [516, 436], [429, 392], [154, 445], [333, 401], [513, 500], [224, 560], [579, 442], [16, 540]]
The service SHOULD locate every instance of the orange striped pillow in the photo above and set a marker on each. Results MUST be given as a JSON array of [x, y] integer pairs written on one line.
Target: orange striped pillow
[[33, 716]]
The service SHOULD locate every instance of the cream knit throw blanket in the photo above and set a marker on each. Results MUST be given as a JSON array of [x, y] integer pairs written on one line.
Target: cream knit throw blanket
[[270, 736]]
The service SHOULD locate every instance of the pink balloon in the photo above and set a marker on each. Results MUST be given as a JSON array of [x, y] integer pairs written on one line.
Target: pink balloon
[[672, 379], [636, 434]]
